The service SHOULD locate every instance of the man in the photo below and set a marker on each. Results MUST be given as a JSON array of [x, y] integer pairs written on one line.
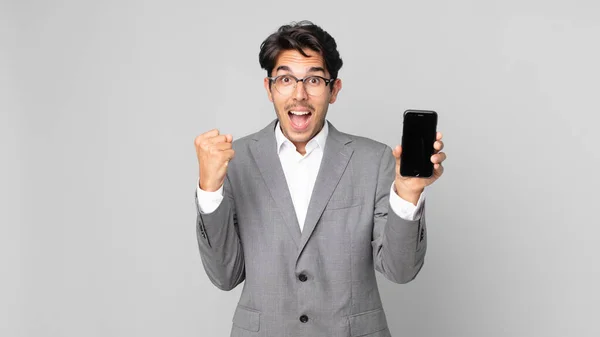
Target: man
[[304, 213]]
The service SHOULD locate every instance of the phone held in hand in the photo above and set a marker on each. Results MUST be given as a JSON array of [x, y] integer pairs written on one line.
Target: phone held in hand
[[418, 136]]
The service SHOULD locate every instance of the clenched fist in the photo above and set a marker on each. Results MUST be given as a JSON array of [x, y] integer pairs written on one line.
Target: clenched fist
[[214, 153]]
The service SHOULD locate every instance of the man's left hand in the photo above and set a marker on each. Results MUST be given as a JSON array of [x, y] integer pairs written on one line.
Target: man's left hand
[[410, 188]]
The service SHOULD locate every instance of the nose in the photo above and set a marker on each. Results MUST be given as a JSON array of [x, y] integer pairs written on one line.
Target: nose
[[300, 92]]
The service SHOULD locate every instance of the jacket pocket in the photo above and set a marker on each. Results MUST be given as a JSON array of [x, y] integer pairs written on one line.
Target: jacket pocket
[[343, 202], [367, 322], [246, 318]]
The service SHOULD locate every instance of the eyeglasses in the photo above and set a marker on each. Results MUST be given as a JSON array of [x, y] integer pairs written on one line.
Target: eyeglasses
[[314, 85]]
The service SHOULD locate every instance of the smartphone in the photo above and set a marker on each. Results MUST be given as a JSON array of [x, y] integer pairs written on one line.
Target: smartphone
[[418, 136]]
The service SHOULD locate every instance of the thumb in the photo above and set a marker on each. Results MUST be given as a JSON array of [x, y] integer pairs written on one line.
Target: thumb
[[228, 138], [397, 151]]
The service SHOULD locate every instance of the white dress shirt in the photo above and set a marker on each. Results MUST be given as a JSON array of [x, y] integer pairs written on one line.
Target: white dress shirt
[[301, 173]]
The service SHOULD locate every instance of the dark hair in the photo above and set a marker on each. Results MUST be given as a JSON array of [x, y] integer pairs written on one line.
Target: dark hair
[[300, 35]]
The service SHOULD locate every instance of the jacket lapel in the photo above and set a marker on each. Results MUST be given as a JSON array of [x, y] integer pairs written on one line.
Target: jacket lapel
[[264, 150], [335, 159]]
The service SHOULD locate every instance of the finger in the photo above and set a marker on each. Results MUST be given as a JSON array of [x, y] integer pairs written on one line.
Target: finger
[[228, 154], [229, 138], [397, 151], [438, 145], [438, 169], [217, 139], [439, 136], [199, 139], [226, 157], [438, 158], [211, 133], [222, 146]]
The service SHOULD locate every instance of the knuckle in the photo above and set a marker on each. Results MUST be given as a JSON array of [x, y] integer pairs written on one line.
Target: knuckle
[[210, 133], [216, 139]]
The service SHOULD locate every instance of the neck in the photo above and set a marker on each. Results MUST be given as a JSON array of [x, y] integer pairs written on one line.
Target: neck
[[300, 147]]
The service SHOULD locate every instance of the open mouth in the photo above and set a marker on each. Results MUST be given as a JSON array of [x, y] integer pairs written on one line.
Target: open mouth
[[300, 119]]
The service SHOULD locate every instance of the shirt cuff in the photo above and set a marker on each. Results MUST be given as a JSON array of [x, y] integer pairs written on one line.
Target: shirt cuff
[[208, 202], [405, 209]]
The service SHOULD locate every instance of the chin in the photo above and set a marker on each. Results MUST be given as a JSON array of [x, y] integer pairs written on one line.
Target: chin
[[296, 136]]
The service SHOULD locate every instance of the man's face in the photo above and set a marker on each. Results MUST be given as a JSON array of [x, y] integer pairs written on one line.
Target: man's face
[[297, 125]]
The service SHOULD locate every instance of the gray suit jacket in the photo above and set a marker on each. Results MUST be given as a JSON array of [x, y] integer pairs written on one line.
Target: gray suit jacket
[[319, 282]]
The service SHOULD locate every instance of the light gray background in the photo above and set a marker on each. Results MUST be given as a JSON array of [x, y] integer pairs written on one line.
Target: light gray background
[[101, 101]]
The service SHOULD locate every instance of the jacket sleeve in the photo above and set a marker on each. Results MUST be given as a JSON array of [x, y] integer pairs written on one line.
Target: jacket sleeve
[[219, 242], [399, 245]]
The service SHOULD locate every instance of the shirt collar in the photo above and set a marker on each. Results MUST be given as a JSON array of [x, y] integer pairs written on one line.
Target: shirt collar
[[318, 141]]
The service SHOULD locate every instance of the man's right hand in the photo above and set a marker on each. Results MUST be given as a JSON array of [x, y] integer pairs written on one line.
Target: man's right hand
[[214, 152]]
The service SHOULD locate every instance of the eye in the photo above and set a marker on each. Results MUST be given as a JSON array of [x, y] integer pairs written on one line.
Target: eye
[[314, 81], [286, 80]]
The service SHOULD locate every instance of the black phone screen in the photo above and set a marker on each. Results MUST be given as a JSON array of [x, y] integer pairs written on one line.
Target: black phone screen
[[418, 136]]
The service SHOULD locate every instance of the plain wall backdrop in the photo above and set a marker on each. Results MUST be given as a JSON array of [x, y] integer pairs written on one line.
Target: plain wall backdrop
[[101, 102]]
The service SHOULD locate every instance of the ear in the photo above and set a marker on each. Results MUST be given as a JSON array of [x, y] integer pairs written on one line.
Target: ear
[[266, 84], [337, 86]]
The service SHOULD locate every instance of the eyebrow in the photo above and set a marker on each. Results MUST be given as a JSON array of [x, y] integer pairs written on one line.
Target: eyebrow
[[310, 70]]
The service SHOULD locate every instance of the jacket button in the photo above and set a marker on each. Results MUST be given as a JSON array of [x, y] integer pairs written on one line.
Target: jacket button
[[302, 278], [303, 318]]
